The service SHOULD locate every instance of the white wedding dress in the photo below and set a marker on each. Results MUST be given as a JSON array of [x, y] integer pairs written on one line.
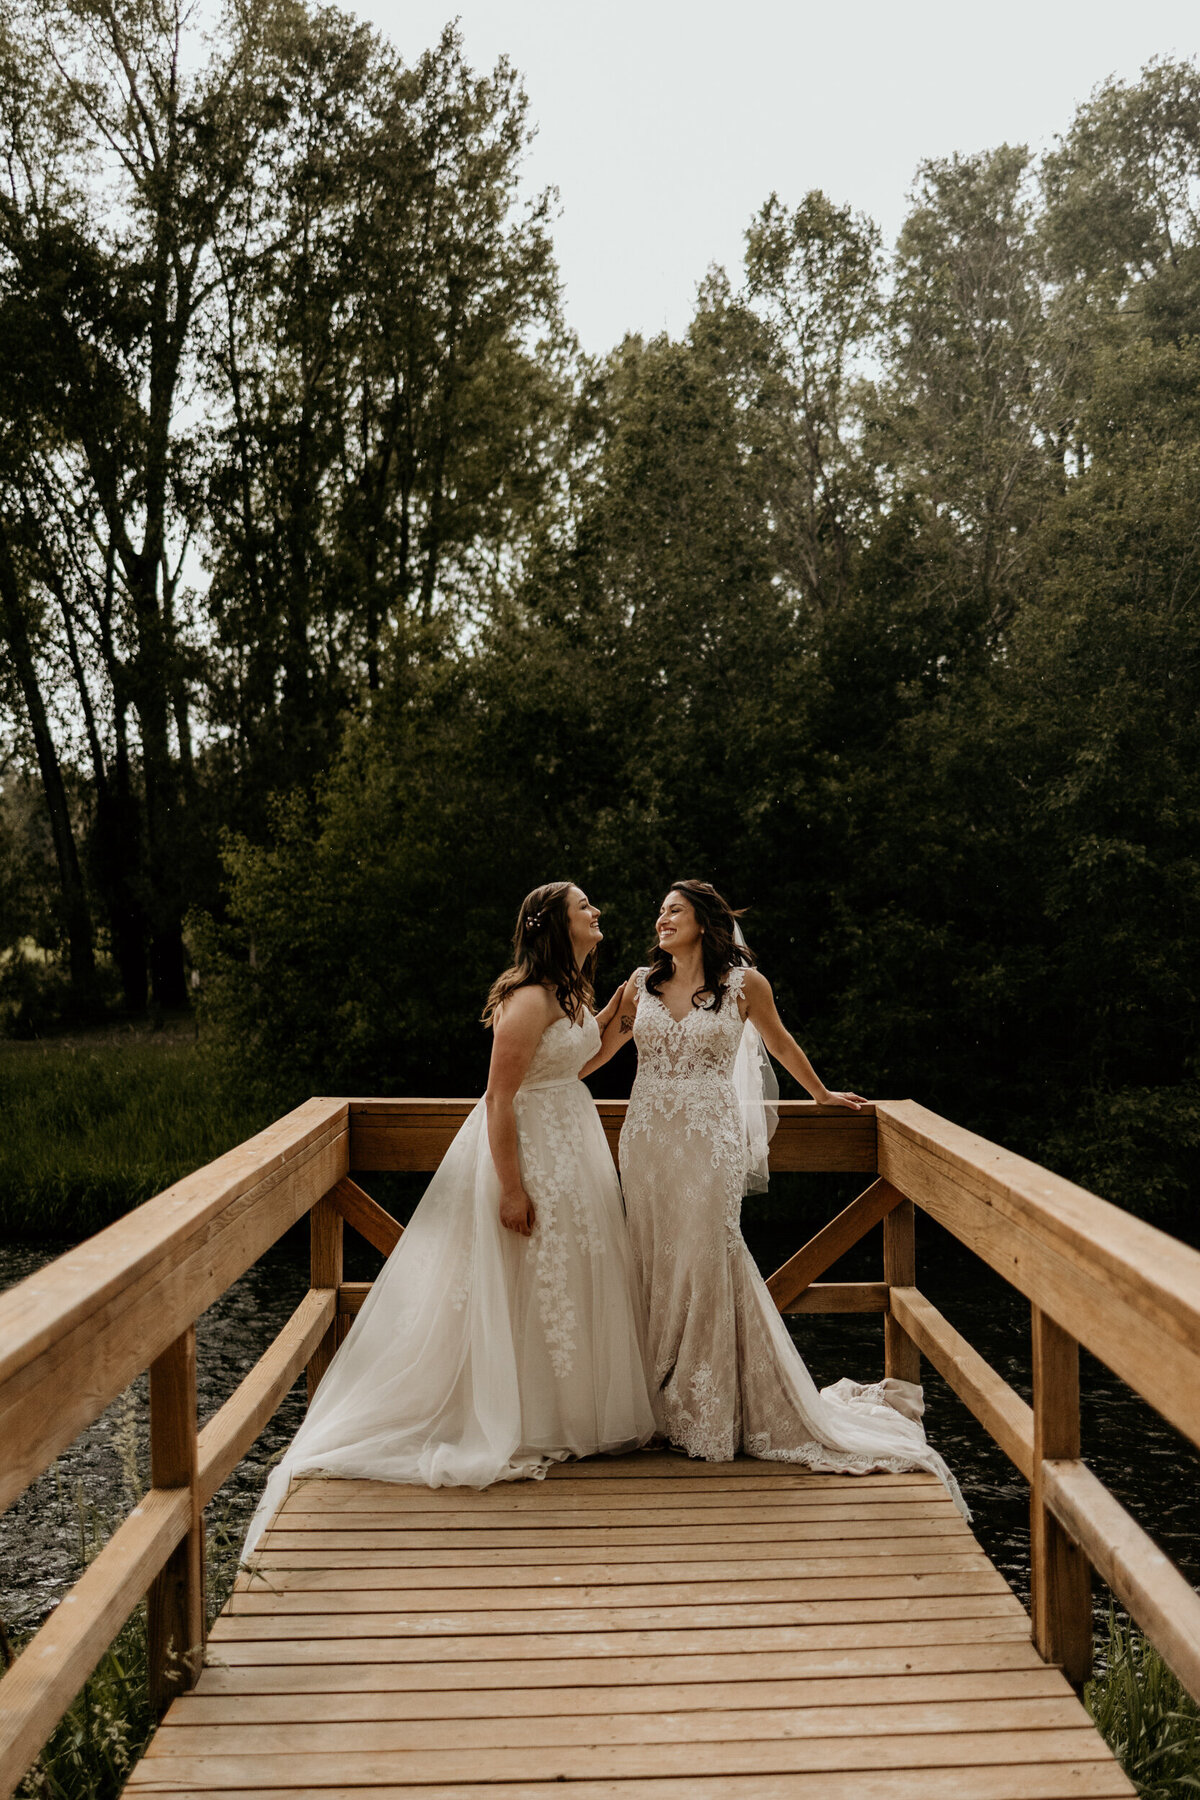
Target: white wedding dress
[[725, 1375], [481, 1355]]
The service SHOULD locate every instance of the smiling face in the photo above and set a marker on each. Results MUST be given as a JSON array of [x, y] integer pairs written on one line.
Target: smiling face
[[678, 927], [583, 921]]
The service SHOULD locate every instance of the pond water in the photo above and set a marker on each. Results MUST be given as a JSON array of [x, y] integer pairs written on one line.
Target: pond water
[[1154, 1471]]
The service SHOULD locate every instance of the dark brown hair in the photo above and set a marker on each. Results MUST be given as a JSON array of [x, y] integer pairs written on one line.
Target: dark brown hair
[[717, 947], [544, 956]]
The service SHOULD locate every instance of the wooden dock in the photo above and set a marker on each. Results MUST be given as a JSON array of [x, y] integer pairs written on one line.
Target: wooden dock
[[644, 1628], [635, 1627]]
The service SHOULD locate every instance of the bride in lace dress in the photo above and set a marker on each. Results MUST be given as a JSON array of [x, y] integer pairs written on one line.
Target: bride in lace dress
[[725, 1375], [504, 1331]]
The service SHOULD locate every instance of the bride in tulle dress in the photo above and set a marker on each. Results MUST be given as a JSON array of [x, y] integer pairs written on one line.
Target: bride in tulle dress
[[504, 1331], [725, 1375]]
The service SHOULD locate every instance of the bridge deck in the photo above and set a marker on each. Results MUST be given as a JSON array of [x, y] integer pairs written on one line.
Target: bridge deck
[[634, 1627]]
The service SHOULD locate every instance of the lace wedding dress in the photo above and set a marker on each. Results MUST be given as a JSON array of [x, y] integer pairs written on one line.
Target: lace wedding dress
[[725, 1375], [481, 1355]]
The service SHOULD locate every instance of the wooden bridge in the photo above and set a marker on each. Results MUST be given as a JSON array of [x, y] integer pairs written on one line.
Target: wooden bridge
[[637, 1627]]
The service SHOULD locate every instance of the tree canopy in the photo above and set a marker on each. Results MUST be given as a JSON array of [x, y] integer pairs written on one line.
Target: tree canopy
[[344, 599]]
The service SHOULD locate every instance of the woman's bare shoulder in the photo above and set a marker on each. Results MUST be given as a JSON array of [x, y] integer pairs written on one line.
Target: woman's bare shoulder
[[527, 1006]]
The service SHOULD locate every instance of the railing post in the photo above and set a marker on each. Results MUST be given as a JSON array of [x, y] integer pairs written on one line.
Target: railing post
[[901, 1357], [1061, 1574], [325, 1225], [175, 1602]]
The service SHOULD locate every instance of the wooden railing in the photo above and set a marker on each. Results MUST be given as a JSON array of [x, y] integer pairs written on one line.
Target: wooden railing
[[74, 1336]]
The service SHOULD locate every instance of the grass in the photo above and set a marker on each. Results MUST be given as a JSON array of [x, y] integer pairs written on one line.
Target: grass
[[1149, 1721], [96, 1123]]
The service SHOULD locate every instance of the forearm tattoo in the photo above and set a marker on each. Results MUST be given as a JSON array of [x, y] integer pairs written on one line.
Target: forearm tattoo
[[626, 1023]]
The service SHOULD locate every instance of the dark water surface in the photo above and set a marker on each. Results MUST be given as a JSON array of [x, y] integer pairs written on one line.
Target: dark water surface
[[1150, 1468]]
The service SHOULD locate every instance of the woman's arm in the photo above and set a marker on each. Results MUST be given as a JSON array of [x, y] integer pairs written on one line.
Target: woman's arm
[[515, 1036], [761, 1012], [604, 1018], [618, 1029]]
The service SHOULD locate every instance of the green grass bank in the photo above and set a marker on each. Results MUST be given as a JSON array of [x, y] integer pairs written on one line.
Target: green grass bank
[[96, 1123]]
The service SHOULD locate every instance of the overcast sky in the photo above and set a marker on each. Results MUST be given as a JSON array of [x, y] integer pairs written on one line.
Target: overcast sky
[[665, 125]]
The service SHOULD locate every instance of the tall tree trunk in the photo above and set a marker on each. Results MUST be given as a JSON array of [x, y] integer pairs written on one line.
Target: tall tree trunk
[[76, 918]]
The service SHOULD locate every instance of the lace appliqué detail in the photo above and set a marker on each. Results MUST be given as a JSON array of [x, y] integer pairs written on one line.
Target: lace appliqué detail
[[549, 1164], [698, 1427], [685, 1077]]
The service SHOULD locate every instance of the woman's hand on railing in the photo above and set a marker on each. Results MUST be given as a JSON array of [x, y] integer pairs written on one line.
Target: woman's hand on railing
[[827, 1097]]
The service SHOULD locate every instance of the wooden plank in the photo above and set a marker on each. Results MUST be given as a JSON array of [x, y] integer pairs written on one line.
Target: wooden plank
[[671, 1518], [267, 1577], [383, 1737], [415, 1134], [515, 1540], [477, 1701], [995, 1657], [999, 1409], [371, 1221], [1061, 1581], [417, 1622], [272, 1596], [175, 1602], [470, 1561], [840, 1297], [404, 1498], [1157, 1596], [326, 1232], [1009, 1625], [954, 1750], [766, 1490], [901, 1356], [831, 1242], [58, 1659], [230, 1432], [1127, 1291], [67, 1357], [1011, 1781], [674, 1466], [828, 1139], [404, 1134]]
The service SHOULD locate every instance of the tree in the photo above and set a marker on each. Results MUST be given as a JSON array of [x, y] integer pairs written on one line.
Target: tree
[[815, 278], [388, 349], [973, 421]]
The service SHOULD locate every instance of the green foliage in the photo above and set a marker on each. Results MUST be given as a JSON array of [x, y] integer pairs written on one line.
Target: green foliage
[[873, 598], [94, 1126], [1150, 1722]]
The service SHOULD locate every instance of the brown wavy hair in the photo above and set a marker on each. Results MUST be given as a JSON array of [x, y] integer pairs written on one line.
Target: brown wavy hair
[[544, 956], [717, 947]]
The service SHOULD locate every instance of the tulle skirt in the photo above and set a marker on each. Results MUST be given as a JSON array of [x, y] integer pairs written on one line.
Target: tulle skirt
[[481, 1355]]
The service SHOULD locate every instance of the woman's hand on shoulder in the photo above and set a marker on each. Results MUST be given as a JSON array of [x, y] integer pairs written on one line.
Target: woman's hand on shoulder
[[607, 1013], [616, 1028]]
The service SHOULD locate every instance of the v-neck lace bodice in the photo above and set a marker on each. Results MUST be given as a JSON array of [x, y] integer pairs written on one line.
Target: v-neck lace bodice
[[685, 1066]]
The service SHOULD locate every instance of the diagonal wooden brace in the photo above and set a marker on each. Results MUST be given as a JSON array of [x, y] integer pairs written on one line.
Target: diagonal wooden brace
[[832, 1241], [369, 1219]]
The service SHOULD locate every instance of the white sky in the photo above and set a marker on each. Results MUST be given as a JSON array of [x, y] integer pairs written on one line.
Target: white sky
[[665, 124]]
